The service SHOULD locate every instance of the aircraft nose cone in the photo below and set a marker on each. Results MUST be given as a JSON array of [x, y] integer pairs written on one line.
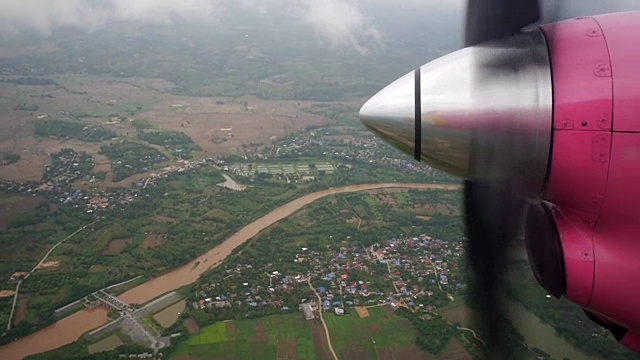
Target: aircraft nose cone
[[483, 110], [390, 114]]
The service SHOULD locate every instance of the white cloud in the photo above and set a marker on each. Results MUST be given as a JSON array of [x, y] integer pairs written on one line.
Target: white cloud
[[43, 16], [339, 21], [342, 23]]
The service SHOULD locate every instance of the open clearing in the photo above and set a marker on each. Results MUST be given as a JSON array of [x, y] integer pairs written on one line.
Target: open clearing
[[205, 120], [362, 311], [53, 264], [192, 326], [6, 293], [163, 219], [273, 337], [115, 247], [167, 317], [353, 337], [12, 206], [455, 350], [107, 344], [287, 349], [320, 343], [21, 312], [152, 241], [210, 335], [457, 313]]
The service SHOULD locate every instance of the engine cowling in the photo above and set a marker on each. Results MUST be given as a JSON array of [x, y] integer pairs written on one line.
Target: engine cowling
[[562, 120], [595, 165]]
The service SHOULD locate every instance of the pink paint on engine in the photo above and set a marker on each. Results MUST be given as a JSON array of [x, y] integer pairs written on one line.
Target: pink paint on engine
[[578, 178], [622, 33], [594, 177]]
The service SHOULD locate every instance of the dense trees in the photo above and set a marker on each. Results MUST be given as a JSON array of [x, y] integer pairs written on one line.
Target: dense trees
[[72, 130], [9, 157], [434, 334], [179, 143], [128, 158]]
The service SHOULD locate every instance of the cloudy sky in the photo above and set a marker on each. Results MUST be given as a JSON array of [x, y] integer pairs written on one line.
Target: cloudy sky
[[343, 22]]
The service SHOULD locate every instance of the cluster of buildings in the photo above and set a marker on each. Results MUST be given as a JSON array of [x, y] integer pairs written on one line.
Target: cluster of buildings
[[58, 186], [68, 165], [404, 271]]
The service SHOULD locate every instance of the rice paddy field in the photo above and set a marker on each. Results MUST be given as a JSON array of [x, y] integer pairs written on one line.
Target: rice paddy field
[[280, 336], [382, 332]]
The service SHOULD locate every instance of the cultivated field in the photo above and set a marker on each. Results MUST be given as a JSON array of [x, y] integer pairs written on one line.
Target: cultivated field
[[167, 317], [152, 240], [355, 337], [11, 206], [116, 246], [107, 344], [274, 337], [192, 326], [115, 104]]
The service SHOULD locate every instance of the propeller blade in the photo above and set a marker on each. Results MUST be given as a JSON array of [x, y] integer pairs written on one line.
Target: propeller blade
[[493, 202], [493, 19], [493, 212]]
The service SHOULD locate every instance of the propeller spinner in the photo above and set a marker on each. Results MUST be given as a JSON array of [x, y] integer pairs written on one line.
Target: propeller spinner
[[494, 98], [483, 113]]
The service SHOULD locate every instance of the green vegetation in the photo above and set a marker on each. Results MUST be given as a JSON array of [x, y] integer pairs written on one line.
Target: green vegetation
[[211, 334], [9, 157], [265, 338], [434, 334], [99, 175], [142, 124], [79, 351], [203, 214], [26, 107], [383, 329], [131, 109], [322, 228], [68, 165], [72, 130], [179, 143], [129, 158], [568, 319]]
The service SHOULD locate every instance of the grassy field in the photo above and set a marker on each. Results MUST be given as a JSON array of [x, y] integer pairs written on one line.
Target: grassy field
[[350, 333], [280, 336], [107, 344], [167, 317]]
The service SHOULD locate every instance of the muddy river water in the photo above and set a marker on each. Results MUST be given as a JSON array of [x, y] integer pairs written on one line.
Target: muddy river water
[[69, 329]]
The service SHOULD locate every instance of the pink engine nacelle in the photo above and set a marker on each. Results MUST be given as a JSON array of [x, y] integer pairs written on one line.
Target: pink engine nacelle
[[594, 177]]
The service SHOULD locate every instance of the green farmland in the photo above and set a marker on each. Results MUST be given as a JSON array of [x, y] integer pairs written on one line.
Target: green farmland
[[280, 336], [380, 334]]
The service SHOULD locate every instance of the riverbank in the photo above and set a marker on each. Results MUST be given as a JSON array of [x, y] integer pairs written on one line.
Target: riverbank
[[71, 328]]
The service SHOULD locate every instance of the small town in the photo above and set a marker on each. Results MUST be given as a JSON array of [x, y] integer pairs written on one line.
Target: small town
[[389, 272]]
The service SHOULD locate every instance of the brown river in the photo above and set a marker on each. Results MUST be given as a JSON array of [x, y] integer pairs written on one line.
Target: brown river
[[69, 329]]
